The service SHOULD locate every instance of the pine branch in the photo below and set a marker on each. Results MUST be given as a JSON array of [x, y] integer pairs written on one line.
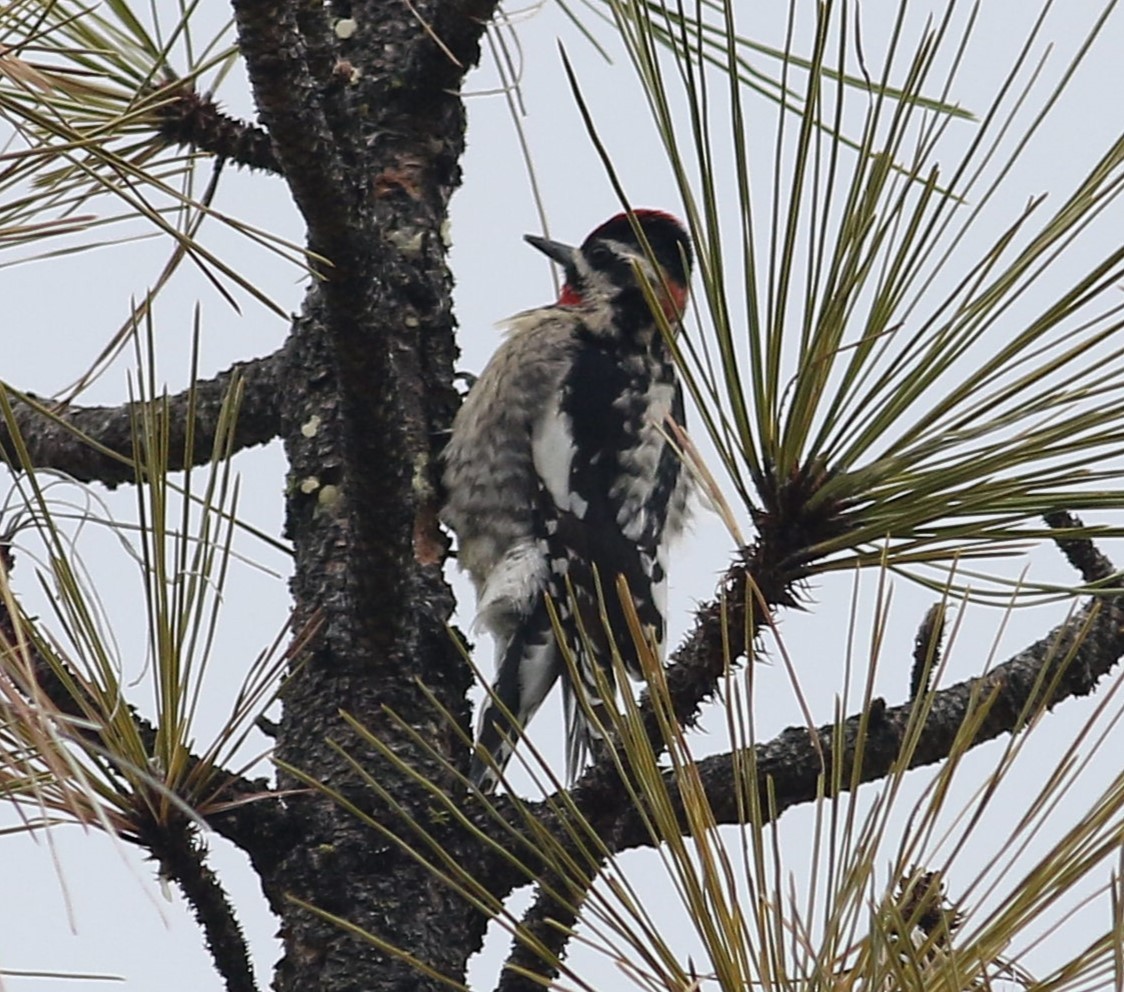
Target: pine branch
[[95, 444], [927, 650], [291, 104], [1080, 552], [195, 120], [792, 768], [1066, 664], [256, 824], [182, 859]]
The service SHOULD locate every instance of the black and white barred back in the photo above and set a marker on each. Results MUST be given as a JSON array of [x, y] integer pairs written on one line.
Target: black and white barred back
[[560, 478]]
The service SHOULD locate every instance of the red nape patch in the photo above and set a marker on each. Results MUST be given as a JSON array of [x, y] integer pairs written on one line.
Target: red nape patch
[[570, 297]]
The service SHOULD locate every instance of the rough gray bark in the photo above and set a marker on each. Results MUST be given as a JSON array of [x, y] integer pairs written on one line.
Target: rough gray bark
[[371, 159], [367, 131]]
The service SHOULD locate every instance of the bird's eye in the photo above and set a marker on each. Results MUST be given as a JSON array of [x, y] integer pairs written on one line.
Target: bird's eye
[[600, 255]]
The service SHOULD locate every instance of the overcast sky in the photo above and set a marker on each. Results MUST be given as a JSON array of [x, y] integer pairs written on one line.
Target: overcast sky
[[85, 905]]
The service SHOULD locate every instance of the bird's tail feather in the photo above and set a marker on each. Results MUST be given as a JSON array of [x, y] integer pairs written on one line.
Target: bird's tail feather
[[529, 665], [586, 717]]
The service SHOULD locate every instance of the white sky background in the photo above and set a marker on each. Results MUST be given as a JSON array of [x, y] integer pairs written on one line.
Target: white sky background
[[61, 312]]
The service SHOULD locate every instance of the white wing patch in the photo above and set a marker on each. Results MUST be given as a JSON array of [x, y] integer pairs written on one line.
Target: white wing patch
[[552, 449]]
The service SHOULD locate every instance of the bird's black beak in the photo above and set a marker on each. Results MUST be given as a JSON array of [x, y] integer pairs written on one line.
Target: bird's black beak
[[555, 250]]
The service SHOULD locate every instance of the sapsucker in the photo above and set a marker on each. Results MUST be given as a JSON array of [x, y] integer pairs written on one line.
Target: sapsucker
[[560, 476]]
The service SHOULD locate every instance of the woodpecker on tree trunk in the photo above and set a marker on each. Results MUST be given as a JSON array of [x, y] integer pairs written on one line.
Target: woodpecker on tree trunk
[[560, 478]]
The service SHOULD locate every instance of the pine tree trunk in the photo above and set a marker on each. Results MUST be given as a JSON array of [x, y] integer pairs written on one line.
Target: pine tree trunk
[[368, 135]]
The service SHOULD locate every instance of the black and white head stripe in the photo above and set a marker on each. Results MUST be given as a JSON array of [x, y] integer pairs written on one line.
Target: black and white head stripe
[[670, 245]]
